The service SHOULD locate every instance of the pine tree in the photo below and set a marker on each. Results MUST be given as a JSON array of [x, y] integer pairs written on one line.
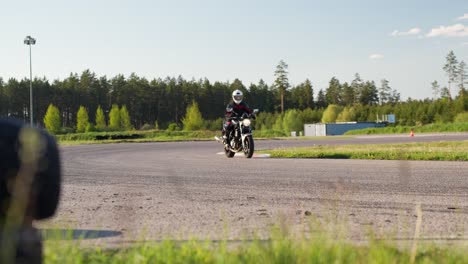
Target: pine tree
[[357, 86], [462, 75], [125, 123], [445, 93], [450, 68], [321, 100], [333, 92], [369, 94], [348, 95], [308, 94], [435, 90], [100, 119], [385, 92], [82, 120], [114, 118], [395, 97], [193, 119], [282, 82], [52, 119]]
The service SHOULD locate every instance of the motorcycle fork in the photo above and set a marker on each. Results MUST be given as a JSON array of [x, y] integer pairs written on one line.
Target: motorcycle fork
[[243, 136]]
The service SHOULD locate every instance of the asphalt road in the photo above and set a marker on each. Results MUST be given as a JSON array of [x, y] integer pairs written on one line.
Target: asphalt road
[[184, 190]]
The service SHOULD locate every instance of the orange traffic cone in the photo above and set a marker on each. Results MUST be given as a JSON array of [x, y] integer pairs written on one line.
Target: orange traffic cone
[[411, 134]]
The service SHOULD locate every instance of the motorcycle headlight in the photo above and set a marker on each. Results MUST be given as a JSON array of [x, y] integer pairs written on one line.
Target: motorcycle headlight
[[246, 122]]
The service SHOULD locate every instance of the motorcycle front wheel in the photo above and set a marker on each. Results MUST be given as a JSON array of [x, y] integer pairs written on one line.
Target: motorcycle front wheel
[[248, 147]]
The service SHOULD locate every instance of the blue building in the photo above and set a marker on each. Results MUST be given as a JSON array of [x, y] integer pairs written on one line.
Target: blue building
[[334, 129]]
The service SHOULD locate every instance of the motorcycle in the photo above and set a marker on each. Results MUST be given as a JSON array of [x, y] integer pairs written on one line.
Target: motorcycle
[[240, 137]]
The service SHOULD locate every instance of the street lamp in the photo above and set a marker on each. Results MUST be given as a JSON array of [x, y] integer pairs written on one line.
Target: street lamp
[[30, 41]]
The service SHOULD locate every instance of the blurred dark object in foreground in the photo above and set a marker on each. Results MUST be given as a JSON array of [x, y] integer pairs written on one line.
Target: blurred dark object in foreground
[[30, 179]]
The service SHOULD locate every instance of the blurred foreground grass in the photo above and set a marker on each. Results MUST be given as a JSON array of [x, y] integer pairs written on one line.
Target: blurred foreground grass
[[280, 249]]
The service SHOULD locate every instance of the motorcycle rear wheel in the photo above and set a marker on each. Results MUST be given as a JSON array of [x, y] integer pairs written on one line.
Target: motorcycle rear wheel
[[228, 152]]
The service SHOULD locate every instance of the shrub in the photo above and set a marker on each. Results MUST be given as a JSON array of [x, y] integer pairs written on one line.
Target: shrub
[[292, 121], [461, 117], [90, 128], [346, 115], [330, 114], [214, 124], [125, 119], [193, 119], [146, 126], [52, 119], [173, 127], [82, 120], [100, 119], [114, 118], [278, 125]]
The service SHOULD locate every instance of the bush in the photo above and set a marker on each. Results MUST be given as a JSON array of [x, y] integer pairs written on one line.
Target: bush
[[346, 115], [214, 124], [173, 127], [278, 125], [114, 118], [292, 121], [90, 128], [52, 119], [146, 126], [310, 116], [99, 136], [268, 133], [193, 119], [100, 119], [125, 119], [330, 114], [461, 117], [82, 120]]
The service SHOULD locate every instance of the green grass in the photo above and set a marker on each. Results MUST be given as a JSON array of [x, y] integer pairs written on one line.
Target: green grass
[[431, 128], [454, 151], [134, 136], [151, 136], [319, 249]]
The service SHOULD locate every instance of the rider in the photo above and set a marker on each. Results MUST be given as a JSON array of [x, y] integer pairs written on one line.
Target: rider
[[235, 108]]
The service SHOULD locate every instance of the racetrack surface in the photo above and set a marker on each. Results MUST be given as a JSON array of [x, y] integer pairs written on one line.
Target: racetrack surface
[[183, 190]]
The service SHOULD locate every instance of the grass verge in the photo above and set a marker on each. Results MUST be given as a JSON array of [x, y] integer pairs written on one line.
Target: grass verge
[[430, 128], [152, 136], [452, 151], [278, 250], [134, 136]]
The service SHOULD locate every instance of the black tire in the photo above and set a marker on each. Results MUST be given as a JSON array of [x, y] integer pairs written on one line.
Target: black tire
[[248, 147], [228, 152]]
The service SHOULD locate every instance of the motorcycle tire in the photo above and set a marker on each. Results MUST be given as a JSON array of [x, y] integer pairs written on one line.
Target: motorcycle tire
[[228, 152], [248, 147]]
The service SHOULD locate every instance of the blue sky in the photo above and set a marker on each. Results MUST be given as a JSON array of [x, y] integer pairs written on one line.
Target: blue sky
[[403, 41]]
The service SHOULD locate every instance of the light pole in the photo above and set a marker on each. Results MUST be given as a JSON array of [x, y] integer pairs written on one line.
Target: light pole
[[30, 41]]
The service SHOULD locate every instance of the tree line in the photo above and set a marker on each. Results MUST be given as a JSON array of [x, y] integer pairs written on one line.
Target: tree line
[[163, 102]]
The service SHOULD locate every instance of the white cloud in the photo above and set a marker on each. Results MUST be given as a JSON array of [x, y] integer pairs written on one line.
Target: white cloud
[[457, 30], [464, 17], [376, 56], [413, 31]]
